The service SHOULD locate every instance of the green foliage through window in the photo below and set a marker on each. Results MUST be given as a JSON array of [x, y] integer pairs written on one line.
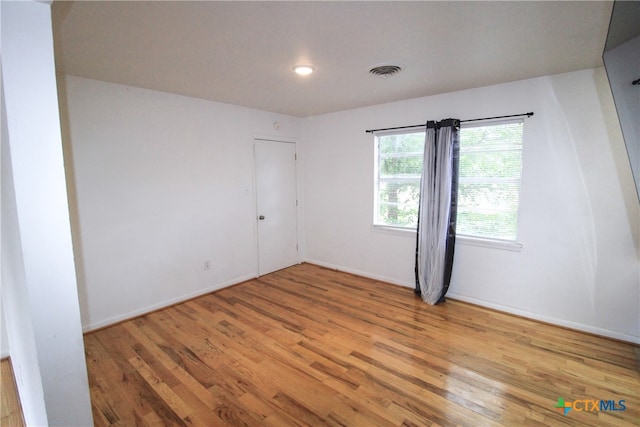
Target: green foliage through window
[[399, 170], [489, 186]]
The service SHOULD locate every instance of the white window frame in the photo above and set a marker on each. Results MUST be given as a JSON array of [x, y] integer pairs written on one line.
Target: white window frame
[[377, 179], [510, 245]]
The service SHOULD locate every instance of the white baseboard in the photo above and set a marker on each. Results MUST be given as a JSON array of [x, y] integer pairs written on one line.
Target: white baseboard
[[4, 353], [360, 273], [542, 318], [142, 311], [548, 319]]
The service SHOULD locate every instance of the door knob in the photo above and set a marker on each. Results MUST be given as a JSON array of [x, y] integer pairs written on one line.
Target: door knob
[[261, 217]]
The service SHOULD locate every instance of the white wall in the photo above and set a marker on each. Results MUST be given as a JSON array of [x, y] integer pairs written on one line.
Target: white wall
[[15, 298], [622, 64], [4, 339], [40, 299], [579, 214], [162, 183]]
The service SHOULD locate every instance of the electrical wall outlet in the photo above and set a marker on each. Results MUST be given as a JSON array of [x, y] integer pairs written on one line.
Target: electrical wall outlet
[[206, 265]]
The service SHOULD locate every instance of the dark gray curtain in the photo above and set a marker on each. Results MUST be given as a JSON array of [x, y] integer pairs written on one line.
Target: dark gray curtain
[[437, 210]]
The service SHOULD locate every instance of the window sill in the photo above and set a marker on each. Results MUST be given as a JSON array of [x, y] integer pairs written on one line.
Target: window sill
[[504, 245], [398, 231]]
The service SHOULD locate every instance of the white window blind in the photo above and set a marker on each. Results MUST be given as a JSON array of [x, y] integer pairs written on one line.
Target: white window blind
[[489, 185]]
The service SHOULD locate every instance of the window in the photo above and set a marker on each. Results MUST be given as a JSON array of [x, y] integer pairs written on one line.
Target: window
[[489, 186], [398, 178]]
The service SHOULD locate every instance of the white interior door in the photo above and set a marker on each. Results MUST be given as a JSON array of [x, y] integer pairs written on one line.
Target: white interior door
[[276, 201]]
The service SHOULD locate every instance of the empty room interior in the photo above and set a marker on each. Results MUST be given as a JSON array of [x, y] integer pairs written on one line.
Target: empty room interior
[[223, 213]]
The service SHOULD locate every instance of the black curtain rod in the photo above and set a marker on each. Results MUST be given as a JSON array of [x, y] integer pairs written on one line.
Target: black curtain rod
[[461, 121]]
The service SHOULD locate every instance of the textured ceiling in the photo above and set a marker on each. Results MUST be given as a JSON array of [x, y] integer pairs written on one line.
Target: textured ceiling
[[242, 52]]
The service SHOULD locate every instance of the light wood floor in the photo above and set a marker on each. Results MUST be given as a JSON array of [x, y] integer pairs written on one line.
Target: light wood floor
[[310, 346], [10, 410]]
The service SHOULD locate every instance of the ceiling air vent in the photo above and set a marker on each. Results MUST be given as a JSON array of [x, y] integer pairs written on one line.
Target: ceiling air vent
[[385, 71]]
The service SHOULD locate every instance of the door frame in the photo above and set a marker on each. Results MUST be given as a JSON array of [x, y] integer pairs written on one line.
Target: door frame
[[287, 140]]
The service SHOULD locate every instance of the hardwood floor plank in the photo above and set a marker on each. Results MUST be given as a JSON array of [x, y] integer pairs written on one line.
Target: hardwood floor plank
[[308, 346], [135, 399], [194, 374], [10, 408]]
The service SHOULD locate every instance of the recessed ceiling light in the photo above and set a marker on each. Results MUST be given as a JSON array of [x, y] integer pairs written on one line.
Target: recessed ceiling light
[[304, 70]]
